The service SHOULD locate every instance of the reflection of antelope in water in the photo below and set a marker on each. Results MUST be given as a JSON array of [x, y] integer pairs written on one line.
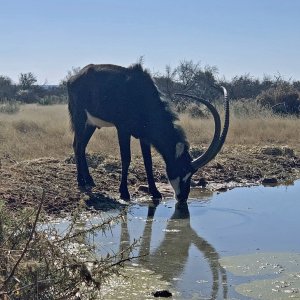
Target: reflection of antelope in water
[[178, 232]]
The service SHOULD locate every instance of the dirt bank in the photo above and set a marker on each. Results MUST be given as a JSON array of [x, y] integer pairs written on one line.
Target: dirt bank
[[21, 183]]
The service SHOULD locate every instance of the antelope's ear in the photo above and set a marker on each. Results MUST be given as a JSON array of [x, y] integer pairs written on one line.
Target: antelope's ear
[[179, 149]]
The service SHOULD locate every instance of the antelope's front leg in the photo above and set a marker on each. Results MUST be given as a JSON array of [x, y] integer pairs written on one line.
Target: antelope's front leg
[[124, 143], [146, 151]]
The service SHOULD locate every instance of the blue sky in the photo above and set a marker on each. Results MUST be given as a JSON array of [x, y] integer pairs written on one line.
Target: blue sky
[[48, 38]]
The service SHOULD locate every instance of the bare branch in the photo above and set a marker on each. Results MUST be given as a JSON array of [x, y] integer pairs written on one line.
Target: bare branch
[[12, 273]]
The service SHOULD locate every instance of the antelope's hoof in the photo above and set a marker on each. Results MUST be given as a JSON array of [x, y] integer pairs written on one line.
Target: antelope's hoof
[[125, 196], [89, 187], [89, 183], [84, 188], [156, 195]]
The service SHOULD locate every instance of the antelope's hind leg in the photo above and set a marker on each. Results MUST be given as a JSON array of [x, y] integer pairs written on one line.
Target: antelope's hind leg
[[81, 139], [146, 151]]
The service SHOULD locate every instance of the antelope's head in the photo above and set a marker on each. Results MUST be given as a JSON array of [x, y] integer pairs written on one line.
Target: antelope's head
[[183, 168]]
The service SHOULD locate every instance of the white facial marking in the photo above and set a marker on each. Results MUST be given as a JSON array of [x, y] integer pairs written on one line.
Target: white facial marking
[[179, 149], [185, 178], [94, 121], [175, 184]]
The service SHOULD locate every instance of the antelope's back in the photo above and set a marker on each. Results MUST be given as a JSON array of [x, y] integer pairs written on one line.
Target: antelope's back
[[122, 96]]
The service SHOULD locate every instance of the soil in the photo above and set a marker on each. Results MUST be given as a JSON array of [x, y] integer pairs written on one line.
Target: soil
[[22, 183]]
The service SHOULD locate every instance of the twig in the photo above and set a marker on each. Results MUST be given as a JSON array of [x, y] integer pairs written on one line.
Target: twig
[[93, 228], [17, 226], [27, 244], [25, 287], [119, 262]]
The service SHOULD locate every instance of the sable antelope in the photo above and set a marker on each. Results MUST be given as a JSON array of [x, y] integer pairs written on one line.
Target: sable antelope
[[127, 98]]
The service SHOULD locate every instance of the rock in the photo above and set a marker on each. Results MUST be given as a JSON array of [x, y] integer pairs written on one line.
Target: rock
[[221, 189], [131, 179], [288, 151], [143, 188], [196, 151], [218, 166], [163, 293], [112, 167], [93, 160], [275, 151], [278, 151], [271, 180], [202, 182]]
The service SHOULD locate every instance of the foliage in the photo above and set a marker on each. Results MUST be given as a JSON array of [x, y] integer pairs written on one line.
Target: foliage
[[281, 99], [70, 73], [39, 262], [243, 86], [27, 96], [27, 80], [7, 88], [247, 108], [52, 99], [188, 77], [27, 91], [9, 107], [192, 109]]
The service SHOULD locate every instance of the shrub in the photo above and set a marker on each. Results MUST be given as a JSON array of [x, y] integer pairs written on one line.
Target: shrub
[[7, 88], [195, 111], [243, 86], [39, 262], [28, 127], [9, 107], [247, 108], [52, 99], [27, 96], [282, 99]]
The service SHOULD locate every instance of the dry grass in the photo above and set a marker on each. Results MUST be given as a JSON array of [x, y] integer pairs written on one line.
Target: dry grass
[[44, 131], [247, 130], [35, 131], [265, 131]]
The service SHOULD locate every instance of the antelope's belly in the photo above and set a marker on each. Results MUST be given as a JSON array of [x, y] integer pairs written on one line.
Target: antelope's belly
[[94, 121]]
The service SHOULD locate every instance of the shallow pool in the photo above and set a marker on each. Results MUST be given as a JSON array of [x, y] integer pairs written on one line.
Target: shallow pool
[[240, 244]]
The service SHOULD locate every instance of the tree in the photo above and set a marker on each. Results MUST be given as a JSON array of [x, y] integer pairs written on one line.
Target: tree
[[7, 88], [244, 86], [70, 73], [28, 91], [189, 77], [27, 80]]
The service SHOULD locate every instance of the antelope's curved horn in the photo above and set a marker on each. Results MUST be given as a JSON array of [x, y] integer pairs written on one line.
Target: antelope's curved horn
[[219, 138], [226, 123]]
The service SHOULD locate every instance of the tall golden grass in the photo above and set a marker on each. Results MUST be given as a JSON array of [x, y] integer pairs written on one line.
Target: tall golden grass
[[44, 131]]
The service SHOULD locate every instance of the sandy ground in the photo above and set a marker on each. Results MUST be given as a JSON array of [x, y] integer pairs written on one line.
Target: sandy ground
[[22, 183]]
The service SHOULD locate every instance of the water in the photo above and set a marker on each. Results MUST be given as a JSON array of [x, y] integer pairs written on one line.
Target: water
[[200, 247]]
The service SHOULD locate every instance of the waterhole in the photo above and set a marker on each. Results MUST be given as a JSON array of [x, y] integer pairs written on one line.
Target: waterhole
[[239, 244]]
